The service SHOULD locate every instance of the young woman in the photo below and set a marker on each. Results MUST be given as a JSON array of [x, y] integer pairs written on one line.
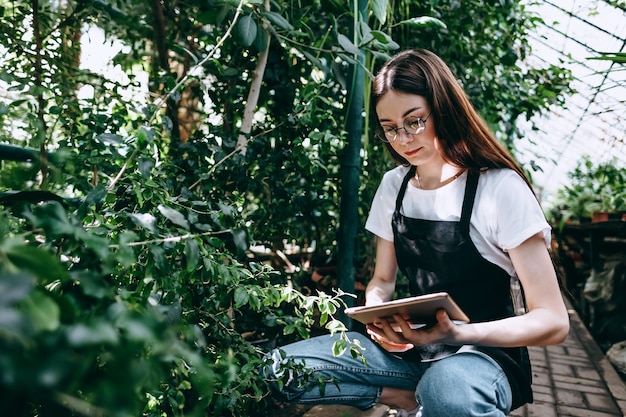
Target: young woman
[[457, 215]]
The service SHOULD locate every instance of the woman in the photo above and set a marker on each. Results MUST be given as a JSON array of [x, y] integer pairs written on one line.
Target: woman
[[457, 215]]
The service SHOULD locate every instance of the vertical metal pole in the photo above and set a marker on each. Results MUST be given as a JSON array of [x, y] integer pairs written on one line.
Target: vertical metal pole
[[351, 170]]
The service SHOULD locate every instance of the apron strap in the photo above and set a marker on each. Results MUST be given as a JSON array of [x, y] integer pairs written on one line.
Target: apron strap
[[405, 182], [468, 200]]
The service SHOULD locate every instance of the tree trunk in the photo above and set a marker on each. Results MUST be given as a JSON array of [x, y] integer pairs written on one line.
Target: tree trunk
[[253, 94], [160, 41]]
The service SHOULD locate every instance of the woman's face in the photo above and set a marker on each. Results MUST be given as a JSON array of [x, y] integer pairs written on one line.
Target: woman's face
[[393, 109]]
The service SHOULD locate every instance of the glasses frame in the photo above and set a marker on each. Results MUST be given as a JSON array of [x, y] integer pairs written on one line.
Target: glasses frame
[[421, 122]]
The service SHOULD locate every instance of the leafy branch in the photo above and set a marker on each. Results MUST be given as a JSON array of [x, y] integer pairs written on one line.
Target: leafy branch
[[162, 101]]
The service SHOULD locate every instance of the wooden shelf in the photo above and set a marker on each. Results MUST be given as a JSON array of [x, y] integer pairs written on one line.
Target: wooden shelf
[[610, 227]]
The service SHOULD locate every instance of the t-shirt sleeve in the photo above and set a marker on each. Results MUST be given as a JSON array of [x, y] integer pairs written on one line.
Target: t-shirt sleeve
[[381, 211], [519, 214]]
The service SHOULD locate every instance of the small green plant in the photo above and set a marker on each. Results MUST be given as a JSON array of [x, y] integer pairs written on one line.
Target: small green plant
[[593, 187]]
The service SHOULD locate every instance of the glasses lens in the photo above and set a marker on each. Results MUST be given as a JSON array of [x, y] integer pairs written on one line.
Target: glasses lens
[[414, 126], [389, 135]]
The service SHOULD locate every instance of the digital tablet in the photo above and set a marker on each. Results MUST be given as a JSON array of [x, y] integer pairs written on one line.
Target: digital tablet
[[421, 310]]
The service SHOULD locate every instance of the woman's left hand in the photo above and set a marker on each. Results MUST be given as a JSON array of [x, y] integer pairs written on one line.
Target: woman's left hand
[[386, 343]]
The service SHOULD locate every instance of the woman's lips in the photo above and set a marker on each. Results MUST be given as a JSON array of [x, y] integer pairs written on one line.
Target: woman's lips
[[413, 152]]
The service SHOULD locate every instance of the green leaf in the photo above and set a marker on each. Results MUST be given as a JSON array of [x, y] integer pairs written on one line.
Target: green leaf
[[384, 41], [261, 40], [289, 329], [95, 333], [348, 46], [145, 165], [335, 326], [180, 400], [98, 244], [159, 257], [192, 254], [424, 21], [145, 136], [381, 56], [241, 296], [246, 29], [379, 8], [53, 219], [611, 56], [315, 61], [174, 216], [339, 347], [240, 238], [110, 139], [36, 260], [92, 285], [93, 199], [278, 20], [43, 312], [366, 34], [145, 220], [14, 287], [323, 318]]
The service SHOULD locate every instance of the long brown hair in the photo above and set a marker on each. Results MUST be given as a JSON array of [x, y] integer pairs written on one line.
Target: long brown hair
[[464, 138]]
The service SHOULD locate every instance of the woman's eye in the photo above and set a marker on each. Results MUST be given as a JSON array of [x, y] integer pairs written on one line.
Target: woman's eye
[[413, 124]]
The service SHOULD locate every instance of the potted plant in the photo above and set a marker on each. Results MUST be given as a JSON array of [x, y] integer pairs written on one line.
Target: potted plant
[[596, 192]]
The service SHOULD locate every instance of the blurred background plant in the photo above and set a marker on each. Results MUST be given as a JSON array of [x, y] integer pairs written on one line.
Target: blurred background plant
[[593, 188]]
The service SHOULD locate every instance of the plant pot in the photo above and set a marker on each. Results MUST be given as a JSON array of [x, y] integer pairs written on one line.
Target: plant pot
[[599, 216]]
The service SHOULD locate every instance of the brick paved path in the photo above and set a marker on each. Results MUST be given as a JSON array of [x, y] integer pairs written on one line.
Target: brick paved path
[[572, 379]]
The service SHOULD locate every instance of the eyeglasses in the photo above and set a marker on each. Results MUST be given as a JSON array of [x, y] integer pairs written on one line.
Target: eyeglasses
[[411, 125]]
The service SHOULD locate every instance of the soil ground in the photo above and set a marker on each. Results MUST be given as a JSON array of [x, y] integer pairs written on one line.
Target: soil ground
[[289, 410]]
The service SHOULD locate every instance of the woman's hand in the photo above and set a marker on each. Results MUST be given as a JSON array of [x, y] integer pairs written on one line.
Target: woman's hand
[[386, 343], [444, 331]]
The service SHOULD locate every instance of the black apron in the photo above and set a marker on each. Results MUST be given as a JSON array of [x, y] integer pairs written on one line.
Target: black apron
[[440, 256]]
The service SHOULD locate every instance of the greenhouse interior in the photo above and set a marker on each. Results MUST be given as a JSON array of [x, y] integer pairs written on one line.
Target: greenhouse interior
[[185, 191]]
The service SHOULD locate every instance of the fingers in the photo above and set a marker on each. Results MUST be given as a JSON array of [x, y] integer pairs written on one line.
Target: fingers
[[383, 332], [444, 322], [443, 331], [389, 345]]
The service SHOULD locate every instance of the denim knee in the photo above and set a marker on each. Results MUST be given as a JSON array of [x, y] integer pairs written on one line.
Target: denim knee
[[464, 385], [309, 372]]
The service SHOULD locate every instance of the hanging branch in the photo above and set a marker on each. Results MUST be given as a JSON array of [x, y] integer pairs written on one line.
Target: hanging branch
[[171, 239], [255, 89]]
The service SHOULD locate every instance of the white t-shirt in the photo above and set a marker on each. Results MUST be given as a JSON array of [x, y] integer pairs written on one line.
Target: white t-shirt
[[505, 213]]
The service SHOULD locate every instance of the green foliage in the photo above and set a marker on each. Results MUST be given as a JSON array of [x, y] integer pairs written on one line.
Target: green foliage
[[592, 187], [72, 338], [619, 57], [94, 317]]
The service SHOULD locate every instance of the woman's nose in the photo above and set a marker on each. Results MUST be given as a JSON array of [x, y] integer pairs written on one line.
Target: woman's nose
[[404, 136]]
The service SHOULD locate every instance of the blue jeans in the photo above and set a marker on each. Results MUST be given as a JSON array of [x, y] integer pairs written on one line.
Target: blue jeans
[[465, 384]]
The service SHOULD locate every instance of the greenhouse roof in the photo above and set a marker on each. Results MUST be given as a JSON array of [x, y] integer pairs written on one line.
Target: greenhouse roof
[[574, 34]]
